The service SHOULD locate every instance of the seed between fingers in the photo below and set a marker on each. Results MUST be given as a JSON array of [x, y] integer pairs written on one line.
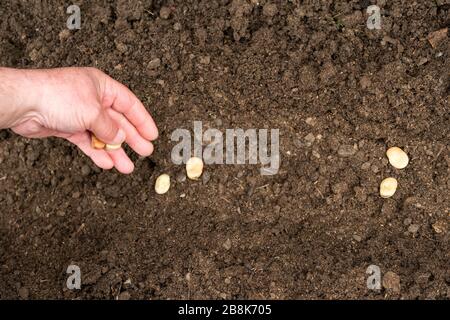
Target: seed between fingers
[[112, 147], [98, 144]]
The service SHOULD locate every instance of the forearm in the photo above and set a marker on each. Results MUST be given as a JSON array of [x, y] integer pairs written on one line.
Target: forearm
[[18, 95]]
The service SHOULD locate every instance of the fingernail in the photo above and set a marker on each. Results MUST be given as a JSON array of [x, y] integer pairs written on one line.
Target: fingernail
[[120, 137]]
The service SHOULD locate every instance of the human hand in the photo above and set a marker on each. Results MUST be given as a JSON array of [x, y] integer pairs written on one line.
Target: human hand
[[72, 103]]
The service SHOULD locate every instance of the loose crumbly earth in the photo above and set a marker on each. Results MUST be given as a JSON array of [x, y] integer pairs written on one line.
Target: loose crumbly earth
[[309, 68]]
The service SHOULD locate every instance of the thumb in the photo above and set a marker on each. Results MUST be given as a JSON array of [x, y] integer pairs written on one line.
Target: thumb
[[106, 129]]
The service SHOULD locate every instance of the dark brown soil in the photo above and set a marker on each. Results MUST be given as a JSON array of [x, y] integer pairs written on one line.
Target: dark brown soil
[[310, 231]]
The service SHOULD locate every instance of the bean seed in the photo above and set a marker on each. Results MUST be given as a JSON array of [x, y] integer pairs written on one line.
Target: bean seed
[[162, 184], [388, 187], [397, 157], [96, 143], [112, 147], [194, 168]]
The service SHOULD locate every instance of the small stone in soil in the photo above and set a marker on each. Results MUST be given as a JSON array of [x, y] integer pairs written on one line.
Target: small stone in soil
[[346, 150], [206, 177], [365, 82], [181, 177], [270, 9], [413, 228], [407, 221], [76, 195], [32, 155], [124, 296], [440, 227], [63, 35], [365, 166], [177, 26], [316, 154], [391, 281], [205, 60], [24, 293], [227, 244], [311, 121], [340, 188], [164, 13], [436, 37], [85, 170], [154, 64], [121, 47], [309, 139]]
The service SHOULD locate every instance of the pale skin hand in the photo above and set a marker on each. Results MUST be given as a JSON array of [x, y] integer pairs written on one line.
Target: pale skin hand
[[72, 103]]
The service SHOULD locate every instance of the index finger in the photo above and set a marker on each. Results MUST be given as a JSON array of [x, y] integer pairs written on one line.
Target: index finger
[[121, 99]]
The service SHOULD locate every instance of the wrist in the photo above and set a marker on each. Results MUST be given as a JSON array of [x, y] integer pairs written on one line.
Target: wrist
[[19, 95]]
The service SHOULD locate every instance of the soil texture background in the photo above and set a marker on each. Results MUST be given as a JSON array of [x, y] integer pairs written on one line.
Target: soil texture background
[[340, 94]]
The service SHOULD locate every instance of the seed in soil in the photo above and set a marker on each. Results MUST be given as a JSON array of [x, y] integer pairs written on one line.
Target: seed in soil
[[397, 157], [194, 168], [162, 184], [388, 187]]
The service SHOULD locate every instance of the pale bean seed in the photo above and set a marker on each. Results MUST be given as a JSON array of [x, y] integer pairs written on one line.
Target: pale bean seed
[[97, 143], [112, 147], [162, 184], [388, 187], [397, 157], [194, 168]]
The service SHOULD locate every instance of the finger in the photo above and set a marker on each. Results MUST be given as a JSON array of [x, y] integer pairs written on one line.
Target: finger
[[142, 146], [106, 129], [100, 157], [121, 161], [124, 101]]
